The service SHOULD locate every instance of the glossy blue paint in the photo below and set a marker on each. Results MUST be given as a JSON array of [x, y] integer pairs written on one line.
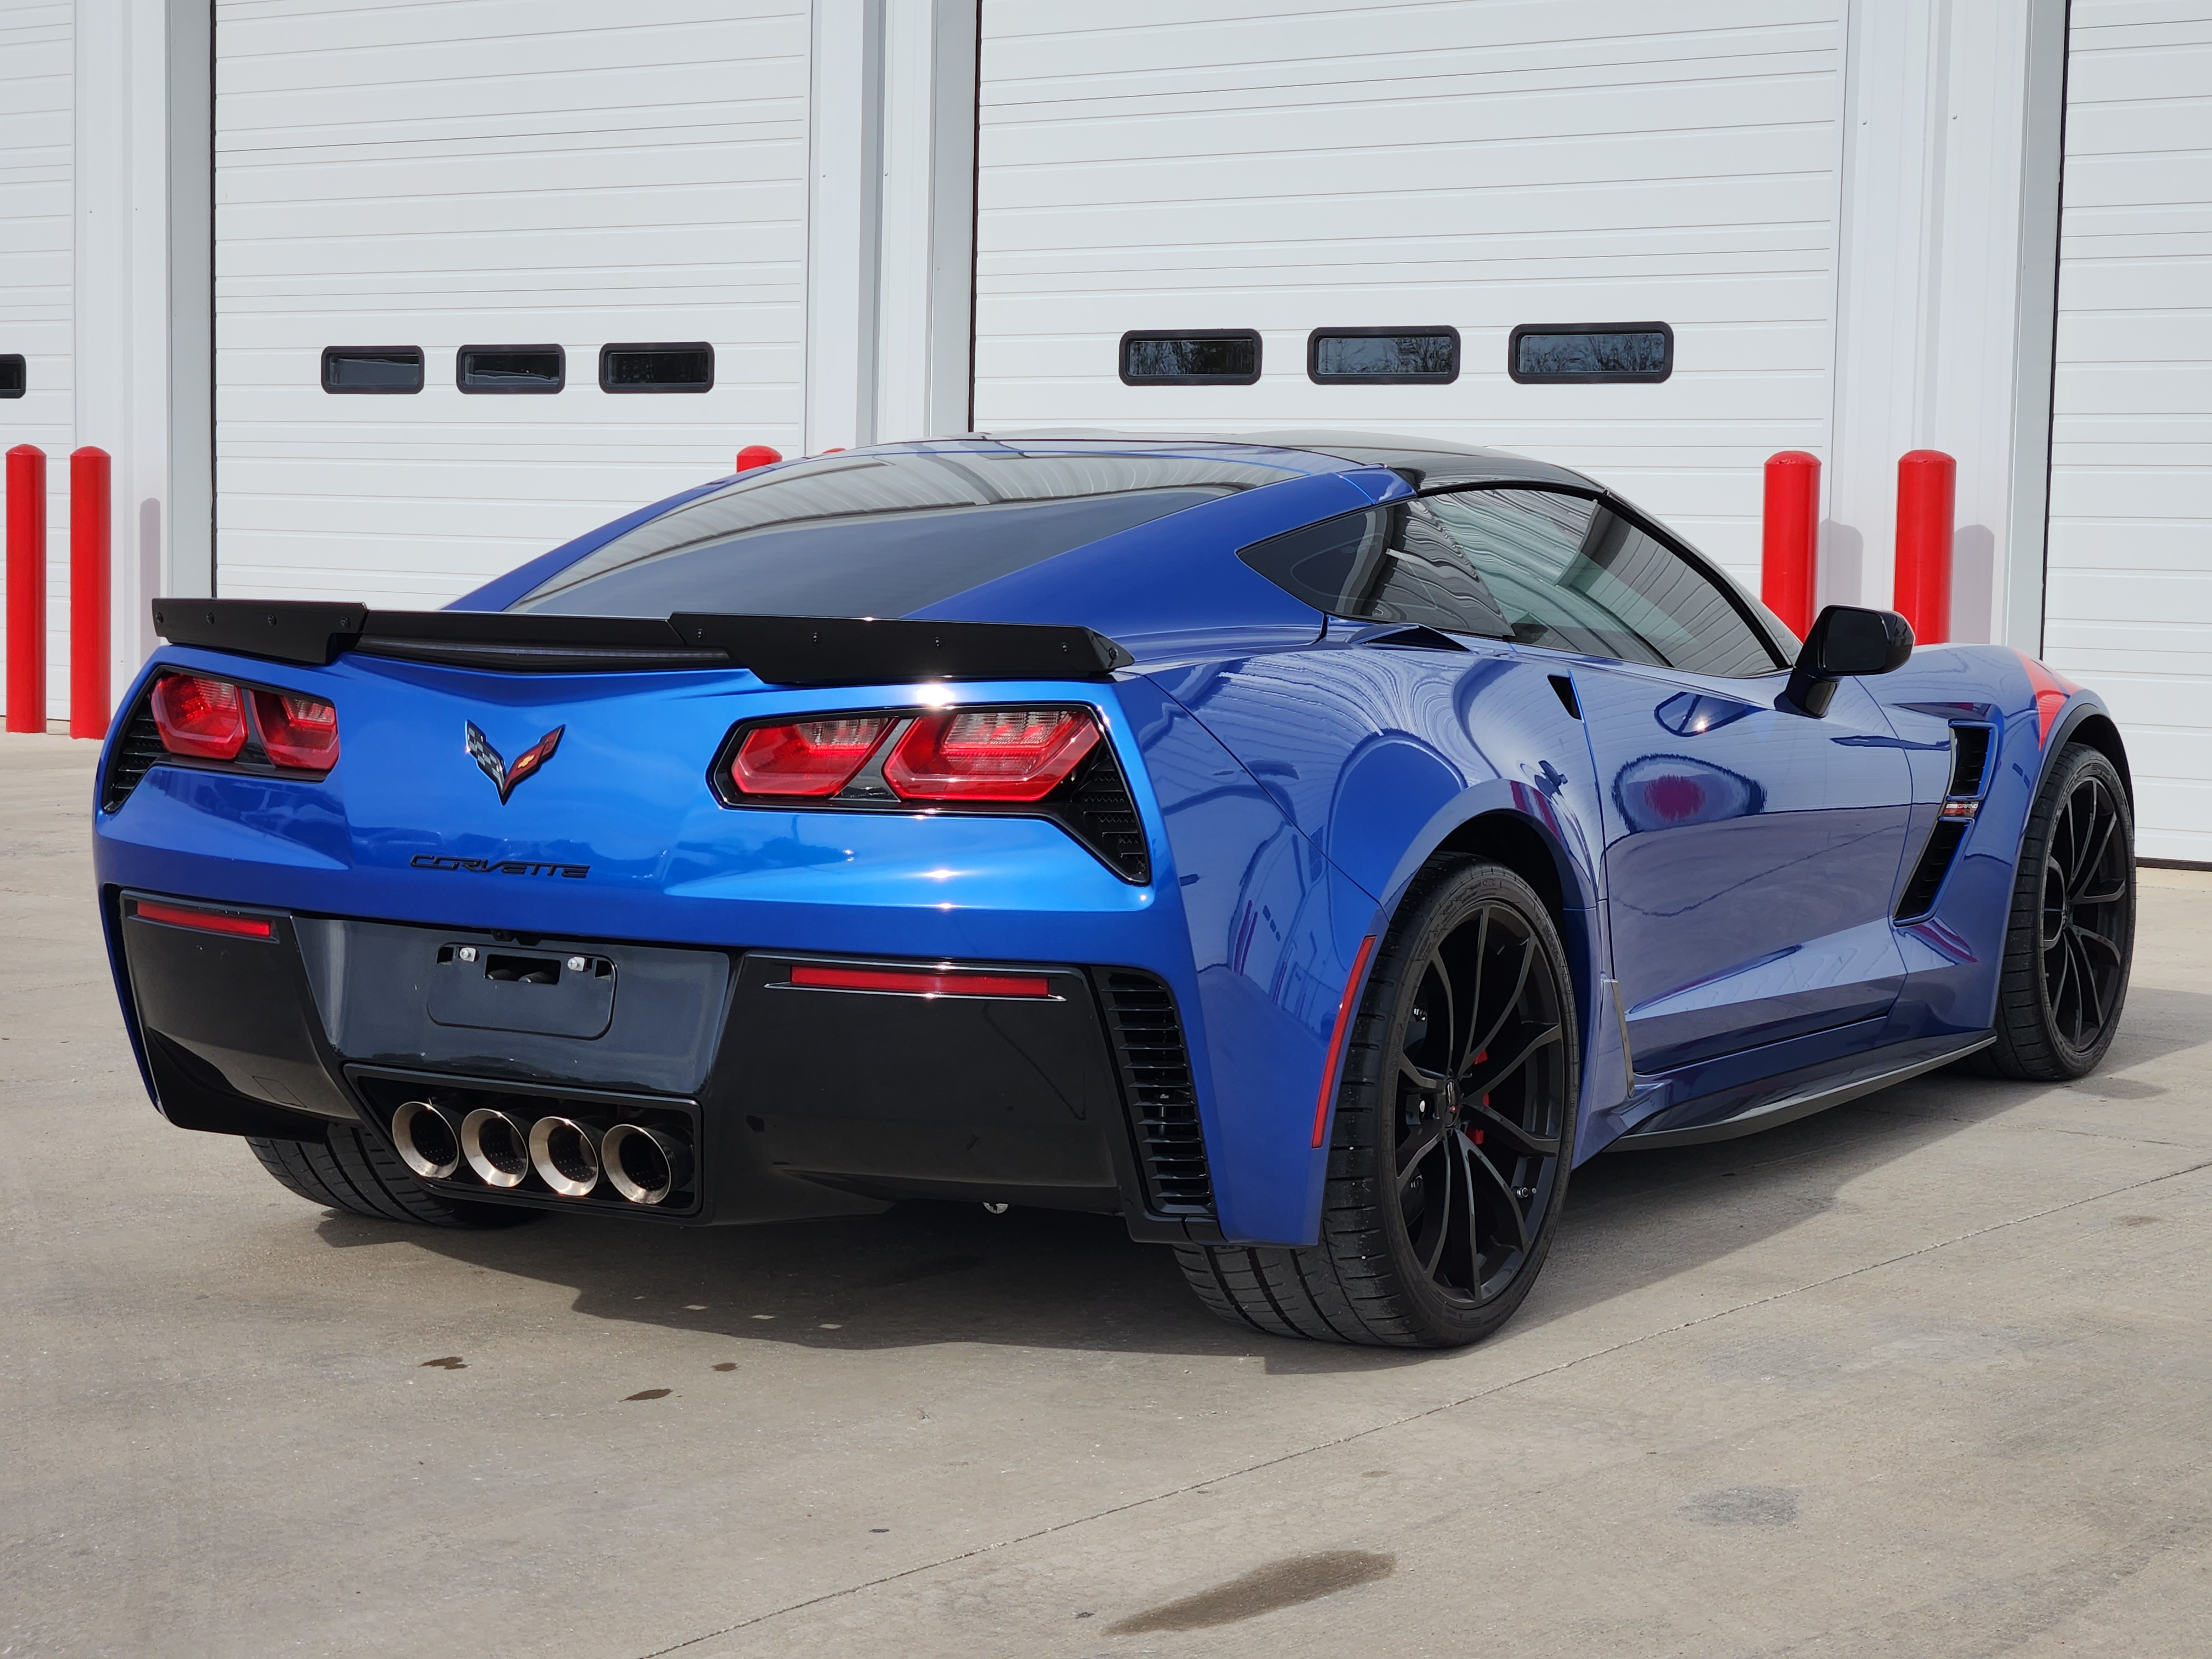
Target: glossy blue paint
[[1732, 865], [1752, 855]]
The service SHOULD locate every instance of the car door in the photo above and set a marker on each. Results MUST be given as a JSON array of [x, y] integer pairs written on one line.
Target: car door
[[1750, 851]]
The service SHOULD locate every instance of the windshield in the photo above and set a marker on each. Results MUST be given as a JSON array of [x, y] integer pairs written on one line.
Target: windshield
[[879, 535]]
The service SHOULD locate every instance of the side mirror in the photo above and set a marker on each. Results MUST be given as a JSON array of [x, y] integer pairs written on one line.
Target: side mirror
[[1845, 640]]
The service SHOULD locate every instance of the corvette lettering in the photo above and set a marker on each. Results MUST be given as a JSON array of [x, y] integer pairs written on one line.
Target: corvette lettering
[[499, 866]]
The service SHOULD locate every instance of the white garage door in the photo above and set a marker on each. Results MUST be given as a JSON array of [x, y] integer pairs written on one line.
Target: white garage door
[[36, 294], [2128, 595], [493, 172], [1178, 164]]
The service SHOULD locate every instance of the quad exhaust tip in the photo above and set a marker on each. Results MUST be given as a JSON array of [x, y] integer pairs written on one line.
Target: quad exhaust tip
[[496, 1146], [427, 1140], [644, 1164], [566, 1155]]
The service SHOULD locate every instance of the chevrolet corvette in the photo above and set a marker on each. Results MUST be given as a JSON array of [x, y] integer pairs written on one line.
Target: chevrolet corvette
[[1309, 848]]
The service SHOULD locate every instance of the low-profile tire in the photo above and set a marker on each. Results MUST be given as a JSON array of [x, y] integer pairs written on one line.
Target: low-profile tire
[[2070, 943], [1453, 1133], [352, 1171]]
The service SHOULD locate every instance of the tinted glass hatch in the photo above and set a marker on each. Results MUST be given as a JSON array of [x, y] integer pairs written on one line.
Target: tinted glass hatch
[[879, 535]]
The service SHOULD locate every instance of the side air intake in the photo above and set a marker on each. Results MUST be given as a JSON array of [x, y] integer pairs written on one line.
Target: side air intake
[[1928, 875], [1970, 764], [1970, 759], [1148, 1044]]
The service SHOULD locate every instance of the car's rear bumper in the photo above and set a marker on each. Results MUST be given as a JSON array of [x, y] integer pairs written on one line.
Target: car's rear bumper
[[794, 1100]]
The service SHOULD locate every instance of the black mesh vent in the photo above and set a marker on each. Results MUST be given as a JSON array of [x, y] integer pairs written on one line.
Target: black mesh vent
[[136, 751], [1970, 757], [1141, 1013], [1099, 810], [1935, 864]]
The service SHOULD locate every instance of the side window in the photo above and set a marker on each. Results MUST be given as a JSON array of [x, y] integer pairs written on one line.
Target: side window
[[1574, 577], [1392, 564]]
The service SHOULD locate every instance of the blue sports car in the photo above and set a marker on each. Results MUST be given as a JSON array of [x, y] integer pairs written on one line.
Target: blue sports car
[[1308, 848]]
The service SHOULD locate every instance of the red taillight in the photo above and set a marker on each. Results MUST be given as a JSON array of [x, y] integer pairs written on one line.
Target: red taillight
[[200, 717], [806, 758], [301, 731], [920, 981], [204, 921], [989, 754]]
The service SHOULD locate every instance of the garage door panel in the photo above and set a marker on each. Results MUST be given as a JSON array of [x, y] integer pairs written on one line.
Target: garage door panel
[[485, 172], [2127, 594], [1049, 39]]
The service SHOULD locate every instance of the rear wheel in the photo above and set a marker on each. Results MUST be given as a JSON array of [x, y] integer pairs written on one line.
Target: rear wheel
[[2070, 942], [1454, 1126], [352, 1171]]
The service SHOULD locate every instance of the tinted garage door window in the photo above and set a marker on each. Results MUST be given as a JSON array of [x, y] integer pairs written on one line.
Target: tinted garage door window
[[878, 535]]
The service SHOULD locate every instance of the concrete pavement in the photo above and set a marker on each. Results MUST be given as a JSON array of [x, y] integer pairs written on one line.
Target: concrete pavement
[[1927, 1375]]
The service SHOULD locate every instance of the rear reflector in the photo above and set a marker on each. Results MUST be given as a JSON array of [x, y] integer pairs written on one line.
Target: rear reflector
[[199, 717], [806, 758], [302, 731], [205, 921], [990, 753], [919, 982]]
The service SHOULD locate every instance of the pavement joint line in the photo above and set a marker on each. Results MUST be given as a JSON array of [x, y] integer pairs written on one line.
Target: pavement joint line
[[1427, 1411]]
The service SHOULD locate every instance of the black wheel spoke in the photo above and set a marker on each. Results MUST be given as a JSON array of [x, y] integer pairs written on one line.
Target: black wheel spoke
[[1474, 1222], [1522, 1140], [1409, 1163], [1543, 1039], [2103, 895], [1444, 1218], [1487, 1174], [1437, 973], [2086, 868], [2091, 1015], [1426, 1082], [1505, 1009], [2091, 936]]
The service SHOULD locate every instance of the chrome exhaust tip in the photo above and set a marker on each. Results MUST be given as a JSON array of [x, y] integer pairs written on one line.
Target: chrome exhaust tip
[[428, 1141], [496, 1146], [566, 1155], [644, 1164]]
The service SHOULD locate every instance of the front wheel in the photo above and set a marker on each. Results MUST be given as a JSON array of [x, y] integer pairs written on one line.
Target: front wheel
[[2070, 942], [1454, 1130]]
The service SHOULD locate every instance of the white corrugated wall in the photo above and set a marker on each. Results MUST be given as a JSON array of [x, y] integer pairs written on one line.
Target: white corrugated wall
[[37, 209], [2129, 589], [1206, 163], [487, 172]]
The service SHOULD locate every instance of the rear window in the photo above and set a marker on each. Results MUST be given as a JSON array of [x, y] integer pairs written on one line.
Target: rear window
[[882, 535]]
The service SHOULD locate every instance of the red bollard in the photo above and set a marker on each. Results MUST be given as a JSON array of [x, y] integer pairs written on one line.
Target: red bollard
[[753, 455], [27, 588], [1792, 539], [1927, 498], [91, 538]]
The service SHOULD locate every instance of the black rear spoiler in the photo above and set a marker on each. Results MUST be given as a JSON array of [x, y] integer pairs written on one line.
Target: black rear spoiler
[[782, 650]]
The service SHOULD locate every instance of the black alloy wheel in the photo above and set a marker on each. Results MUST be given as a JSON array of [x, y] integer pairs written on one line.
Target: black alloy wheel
[[1454, 1126], [1480, 1105], [2070, 942], [2088, 876]]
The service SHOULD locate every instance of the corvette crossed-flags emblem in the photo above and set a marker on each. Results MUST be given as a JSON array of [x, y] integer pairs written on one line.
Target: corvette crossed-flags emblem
[[504, 777]]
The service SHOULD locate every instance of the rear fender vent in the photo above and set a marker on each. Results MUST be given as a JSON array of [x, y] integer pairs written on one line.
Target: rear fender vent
[[1105, 819], [136, 751], [1156, 1081]]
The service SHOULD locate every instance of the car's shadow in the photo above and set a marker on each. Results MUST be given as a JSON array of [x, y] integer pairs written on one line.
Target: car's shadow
[[928, 1273]]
